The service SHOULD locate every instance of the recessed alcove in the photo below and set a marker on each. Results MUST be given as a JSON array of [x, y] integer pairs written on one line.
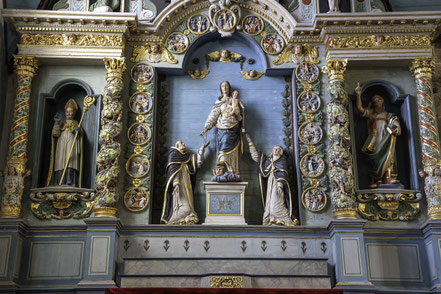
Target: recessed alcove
[[402, 106], [53, 103], [191, 100]]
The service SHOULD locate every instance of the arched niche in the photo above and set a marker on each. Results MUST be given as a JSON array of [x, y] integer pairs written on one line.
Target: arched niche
[[406, 146], [190, 101], [50, 104]]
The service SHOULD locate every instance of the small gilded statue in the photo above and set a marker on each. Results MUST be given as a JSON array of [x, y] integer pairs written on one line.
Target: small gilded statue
[[67, 162], [274, 186], [379, 147], [181, 175]]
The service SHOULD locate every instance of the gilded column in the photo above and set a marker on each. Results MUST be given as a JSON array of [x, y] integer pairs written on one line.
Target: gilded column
[[12, 192], [422, 70], [108, 158], [340, 157]]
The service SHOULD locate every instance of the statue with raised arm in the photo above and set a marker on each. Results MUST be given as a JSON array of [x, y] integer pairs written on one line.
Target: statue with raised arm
[[181, 175], [274, 186], [226, 117], [379, 147]]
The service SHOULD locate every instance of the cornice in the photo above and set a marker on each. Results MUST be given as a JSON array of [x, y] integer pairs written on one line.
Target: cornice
[[68, 21]]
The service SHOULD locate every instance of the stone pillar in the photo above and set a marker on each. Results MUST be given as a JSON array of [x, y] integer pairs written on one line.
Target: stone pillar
[[349, 254], [422, 70], [15, 171], [108, 158], [340, 157], [100, 260]]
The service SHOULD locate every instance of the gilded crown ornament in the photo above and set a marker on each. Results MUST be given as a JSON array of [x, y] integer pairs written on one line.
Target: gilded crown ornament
[[115, 67], [335, 69], [422, 67], [26, 65]]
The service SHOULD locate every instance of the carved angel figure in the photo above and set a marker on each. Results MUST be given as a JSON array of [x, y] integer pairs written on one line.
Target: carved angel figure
[[152, 53], [252, 74], [224, 56], [297, 54], [198, 74]]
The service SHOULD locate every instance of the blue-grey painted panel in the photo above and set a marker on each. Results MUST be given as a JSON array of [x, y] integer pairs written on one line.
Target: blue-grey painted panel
[[55, 260], [191, 101]]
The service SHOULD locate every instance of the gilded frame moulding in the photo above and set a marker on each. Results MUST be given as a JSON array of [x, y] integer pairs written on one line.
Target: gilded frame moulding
[[306, 66], [318, 101], [321, 202], [151, 73], [275, 36], [205, 18], [145, 160], [169, 40], [314, 140], [70, 39], [142, 205], [384, 41], [257, 32], [149, 99], [146, 139], [316, 171]]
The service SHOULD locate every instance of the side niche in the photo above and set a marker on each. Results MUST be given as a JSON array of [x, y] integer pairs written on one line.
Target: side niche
[[385, 157], [65, 151]]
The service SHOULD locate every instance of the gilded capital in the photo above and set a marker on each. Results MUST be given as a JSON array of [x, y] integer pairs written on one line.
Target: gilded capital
[[105, 212], [10, 211], [422, 68], [335, 69], [25, 65], [115, 67]]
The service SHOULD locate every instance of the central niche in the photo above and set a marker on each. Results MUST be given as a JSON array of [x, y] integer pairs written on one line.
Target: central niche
[[191, 99]]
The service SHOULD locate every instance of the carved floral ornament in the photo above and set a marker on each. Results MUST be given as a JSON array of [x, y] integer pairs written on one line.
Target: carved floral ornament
[[72, 40], [379, 41]]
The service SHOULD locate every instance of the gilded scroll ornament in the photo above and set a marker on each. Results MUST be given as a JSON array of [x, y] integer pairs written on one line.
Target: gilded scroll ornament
[[153, 53], [110, 148], [226, 282], [252, 74], [72, 40], [61, 202], [379, 41], [197, 74], [378, 205], [297, 54]]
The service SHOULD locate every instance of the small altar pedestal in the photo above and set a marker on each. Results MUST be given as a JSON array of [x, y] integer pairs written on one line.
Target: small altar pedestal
[[225, 203]]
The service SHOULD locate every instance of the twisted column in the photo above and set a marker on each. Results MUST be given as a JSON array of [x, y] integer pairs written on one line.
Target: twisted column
[[108, 158], [340, 157], [422, 70], [12, 192]]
